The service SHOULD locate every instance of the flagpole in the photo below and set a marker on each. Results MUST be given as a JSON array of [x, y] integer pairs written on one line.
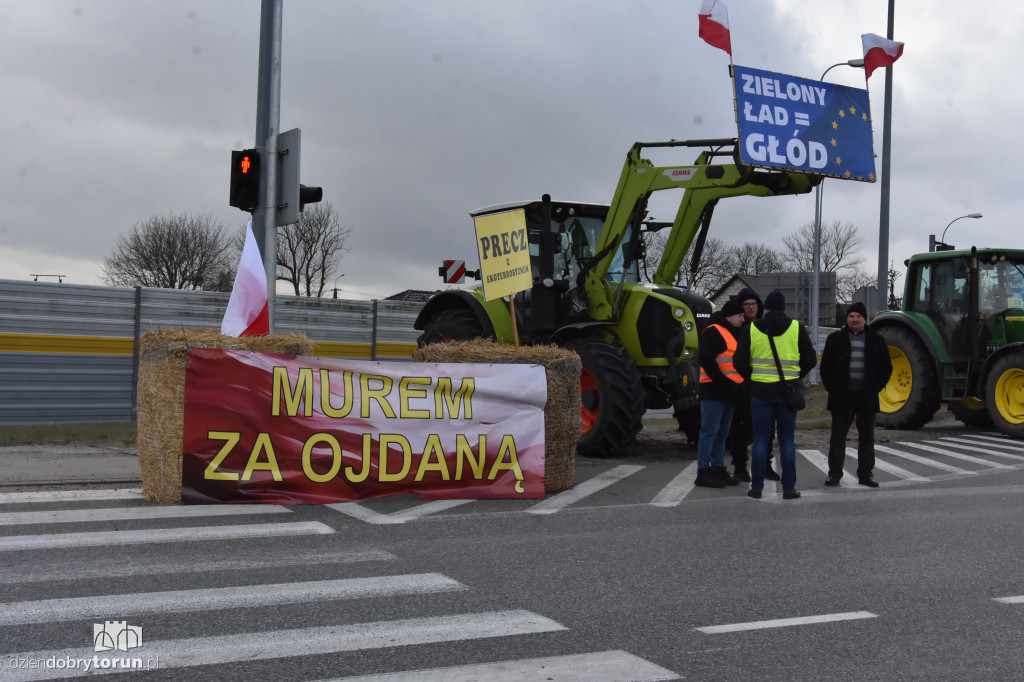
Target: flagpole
[[883, 218]]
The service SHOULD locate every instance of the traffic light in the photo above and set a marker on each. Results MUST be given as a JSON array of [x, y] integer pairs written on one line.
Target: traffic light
[[309, 195], [245, 179]]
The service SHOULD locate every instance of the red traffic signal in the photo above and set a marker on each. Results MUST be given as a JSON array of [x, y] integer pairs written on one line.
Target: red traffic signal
[[245, 179]]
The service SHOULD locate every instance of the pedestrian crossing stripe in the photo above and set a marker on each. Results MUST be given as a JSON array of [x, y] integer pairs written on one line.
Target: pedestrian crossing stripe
[[329, 639], [602, 666], [156, 535]]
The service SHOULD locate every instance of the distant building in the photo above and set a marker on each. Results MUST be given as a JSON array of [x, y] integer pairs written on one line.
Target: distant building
[[413, 295], [795, 286]]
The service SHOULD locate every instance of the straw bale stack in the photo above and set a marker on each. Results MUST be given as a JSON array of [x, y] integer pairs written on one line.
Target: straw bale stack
[[161, 397], [562, 410]]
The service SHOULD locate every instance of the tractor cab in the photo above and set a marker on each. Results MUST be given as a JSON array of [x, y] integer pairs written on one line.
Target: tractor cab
[[563, 246]]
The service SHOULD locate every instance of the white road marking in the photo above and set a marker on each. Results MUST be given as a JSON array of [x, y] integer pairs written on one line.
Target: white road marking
[[678, 488], [1009, 600], [136, 513], [820, 460], [132, 537], [589, 487], [72, 495], [898, 472], [116, 606], [956, 455], [924, 460], [80, 569], [975, 446], [786, 622], [1002, 441], [357, 511], [329, 639], [603, 666]]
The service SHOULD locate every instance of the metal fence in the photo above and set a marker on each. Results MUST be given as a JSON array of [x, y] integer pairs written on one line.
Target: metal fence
[[68, 353]]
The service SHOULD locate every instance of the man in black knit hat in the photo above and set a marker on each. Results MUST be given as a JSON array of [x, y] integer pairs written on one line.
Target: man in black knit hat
[[741, 433], [855, 366]]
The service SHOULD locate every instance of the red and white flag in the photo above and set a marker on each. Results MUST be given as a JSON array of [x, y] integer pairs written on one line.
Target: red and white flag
[[714, 25], [879, 52], [248, 312]]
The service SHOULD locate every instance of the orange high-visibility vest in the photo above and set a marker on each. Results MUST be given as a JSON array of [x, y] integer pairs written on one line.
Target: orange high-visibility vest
[[724, 358]]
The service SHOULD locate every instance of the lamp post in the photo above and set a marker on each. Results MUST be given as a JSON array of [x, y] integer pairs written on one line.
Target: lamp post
[[816, 285], [969, 215]]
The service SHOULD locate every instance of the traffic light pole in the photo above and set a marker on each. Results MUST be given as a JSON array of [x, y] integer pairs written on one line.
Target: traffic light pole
[[268, 123]]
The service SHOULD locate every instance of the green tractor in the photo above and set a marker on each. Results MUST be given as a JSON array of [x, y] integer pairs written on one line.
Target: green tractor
[[958, 340], [637, 341]]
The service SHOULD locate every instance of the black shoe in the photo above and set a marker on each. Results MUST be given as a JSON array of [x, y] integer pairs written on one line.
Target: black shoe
[[756, 494], [742, 475], [791, 495], [871, 483], [832, 481], [770, 474], [707, 479], [723, 475]]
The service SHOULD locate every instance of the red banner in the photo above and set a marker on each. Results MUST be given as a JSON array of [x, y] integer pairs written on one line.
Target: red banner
[[286, 429]]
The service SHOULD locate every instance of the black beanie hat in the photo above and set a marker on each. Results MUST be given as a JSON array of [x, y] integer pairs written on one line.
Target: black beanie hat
[[858, 307], [775, 301], [747, 294], [732, 307]]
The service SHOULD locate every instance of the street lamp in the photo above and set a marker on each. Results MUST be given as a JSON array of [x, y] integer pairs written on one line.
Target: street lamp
[[969, 215], [815, 288]]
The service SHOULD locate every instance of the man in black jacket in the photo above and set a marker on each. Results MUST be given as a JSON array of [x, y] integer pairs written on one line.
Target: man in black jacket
[[770, 353], [855, 366]]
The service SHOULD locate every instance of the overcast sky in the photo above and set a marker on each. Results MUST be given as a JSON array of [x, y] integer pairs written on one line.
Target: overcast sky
[[414, 113]]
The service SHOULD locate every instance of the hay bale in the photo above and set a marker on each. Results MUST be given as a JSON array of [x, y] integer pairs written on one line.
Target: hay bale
[[562, 409], [161, 397]]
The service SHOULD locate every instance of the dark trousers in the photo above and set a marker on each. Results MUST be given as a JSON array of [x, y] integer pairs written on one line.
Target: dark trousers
[[841, 422], [741, 434]]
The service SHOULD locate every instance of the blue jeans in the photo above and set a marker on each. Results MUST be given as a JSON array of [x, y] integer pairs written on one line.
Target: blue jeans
[[764, 412], [715, 418]]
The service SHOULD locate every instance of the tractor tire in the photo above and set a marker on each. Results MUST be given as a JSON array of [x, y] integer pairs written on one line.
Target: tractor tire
[[612, 398], [1004, 393], [912, 396], [688, 419], [455, 324], [971, 411]]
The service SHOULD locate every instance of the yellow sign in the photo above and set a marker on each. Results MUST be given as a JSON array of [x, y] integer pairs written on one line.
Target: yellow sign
[[504, 252]]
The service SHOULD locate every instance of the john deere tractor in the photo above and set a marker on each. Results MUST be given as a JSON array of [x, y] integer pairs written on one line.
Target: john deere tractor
[[959, 341], [637, 341]]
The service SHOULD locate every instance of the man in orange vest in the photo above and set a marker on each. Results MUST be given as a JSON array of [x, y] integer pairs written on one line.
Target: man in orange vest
[[720, 391]]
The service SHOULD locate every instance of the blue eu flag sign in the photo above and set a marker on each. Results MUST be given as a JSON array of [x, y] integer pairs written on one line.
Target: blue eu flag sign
[[803, 125]]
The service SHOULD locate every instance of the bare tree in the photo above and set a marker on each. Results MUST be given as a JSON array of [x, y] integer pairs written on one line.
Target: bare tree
[[309, 251], [716, 266], [753, 258], [840, 248], [850, 280], [169, 252]]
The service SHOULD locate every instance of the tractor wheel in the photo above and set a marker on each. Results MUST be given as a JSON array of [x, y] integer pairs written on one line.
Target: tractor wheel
[[455, 324], [1004, 390], [912, 396], [688, 419], [612, 398], [971, 411]]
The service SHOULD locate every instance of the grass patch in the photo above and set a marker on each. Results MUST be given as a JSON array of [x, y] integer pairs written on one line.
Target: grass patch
[[121, 434]]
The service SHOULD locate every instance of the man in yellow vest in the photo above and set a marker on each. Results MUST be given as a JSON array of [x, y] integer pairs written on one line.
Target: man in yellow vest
[[719, 390], [755, 360]]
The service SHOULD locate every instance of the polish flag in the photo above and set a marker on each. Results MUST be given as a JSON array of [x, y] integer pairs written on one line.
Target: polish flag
[[248, 312], [714, 25], [879, 52]]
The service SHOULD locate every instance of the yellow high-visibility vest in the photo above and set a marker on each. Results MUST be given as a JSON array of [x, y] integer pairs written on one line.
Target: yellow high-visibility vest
[[762, 362]]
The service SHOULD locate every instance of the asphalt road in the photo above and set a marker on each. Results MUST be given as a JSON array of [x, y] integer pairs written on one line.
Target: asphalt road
[[619, 579]]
